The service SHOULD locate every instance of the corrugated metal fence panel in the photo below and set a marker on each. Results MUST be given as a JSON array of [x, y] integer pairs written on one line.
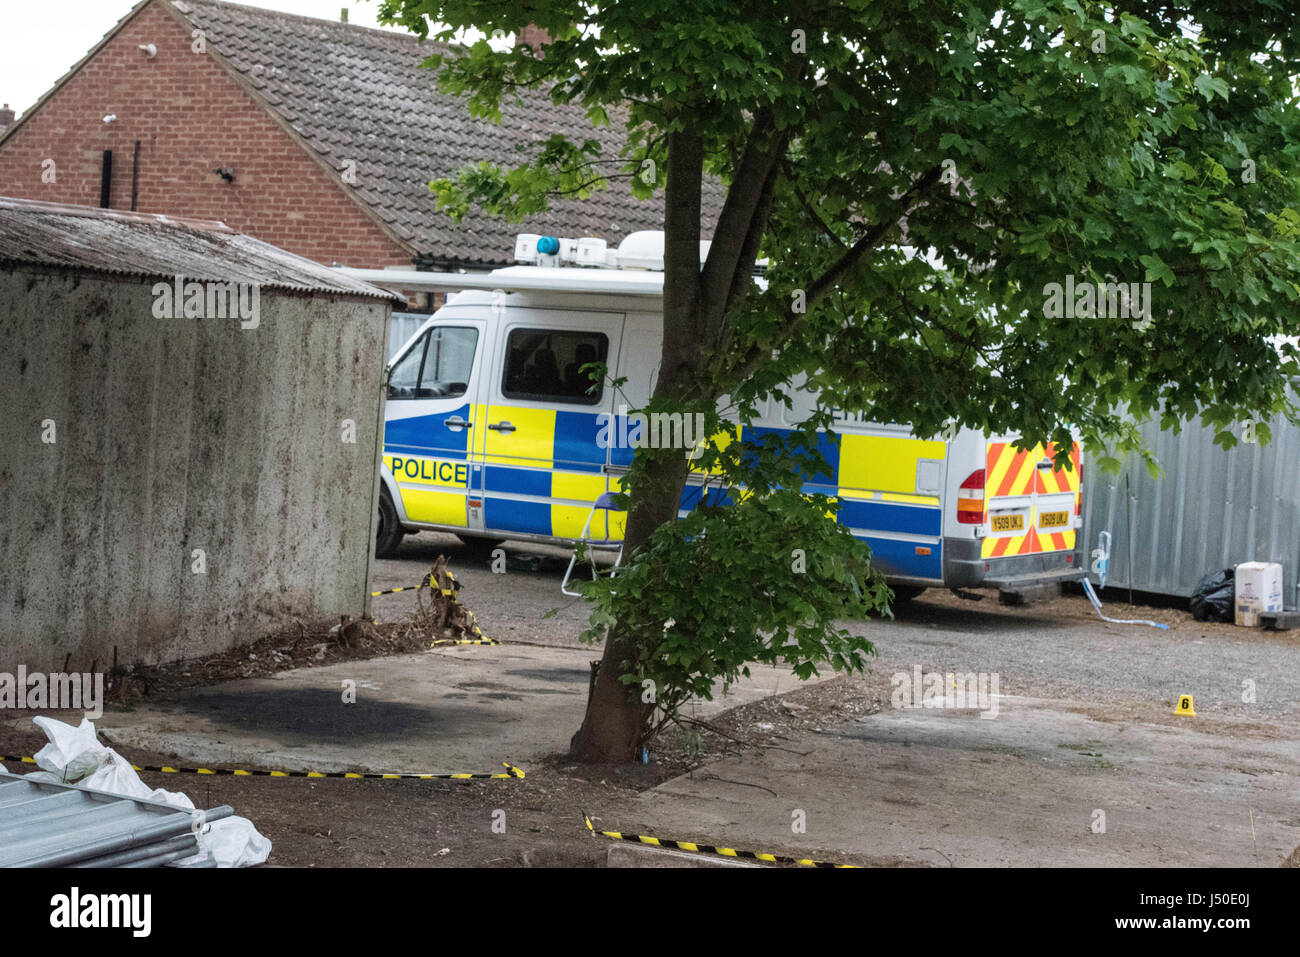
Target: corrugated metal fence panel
[[1211, 509], [53, 825], [401, 327]]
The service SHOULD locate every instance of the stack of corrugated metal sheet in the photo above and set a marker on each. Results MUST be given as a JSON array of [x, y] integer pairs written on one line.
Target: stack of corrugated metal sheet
[[63, 825]]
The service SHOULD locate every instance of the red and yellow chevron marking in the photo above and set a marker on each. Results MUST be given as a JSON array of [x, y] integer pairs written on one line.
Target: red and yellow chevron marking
[[1014, 472], [1008, 545], [1010, 471], [1056, 482]]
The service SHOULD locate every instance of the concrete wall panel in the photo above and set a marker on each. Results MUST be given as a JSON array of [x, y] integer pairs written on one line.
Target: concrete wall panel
[[172, 435]]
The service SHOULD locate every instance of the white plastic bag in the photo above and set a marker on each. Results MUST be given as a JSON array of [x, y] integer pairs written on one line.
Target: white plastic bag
[[75, 756]]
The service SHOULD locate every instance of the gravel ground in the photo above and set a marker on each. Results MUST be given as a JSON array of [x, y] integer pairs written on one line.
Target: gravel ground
[[1062, 649], [1125, 675], [1058, 648]]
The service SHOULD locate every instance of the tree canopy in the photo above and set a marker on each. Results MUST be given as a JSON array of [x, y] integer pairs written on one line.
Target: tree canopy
[[927, 180]]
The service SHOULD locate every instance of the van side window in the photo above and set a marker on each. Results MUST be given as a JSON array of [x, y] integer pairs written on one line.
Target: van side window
[[546, 365], [437, 366]]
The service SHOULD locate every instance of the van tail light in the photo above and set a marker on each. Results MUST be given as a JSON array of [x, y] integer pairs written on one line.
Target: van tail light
[[970, 499], [1078, 496]]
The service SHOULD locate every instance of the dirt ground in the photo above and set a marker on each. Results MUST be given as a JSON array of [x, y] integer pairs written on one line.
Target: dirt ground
[[710, 778], [412, 823], [729, 766]]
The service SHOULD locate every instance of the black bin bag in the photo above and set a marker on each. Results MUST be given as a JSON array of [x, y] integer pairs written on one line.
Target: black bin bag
[[1212, 599]]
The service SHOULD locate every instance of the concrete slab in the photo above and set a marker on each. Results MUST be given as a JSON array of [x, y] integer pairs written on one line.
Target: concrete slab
[[460, 708], [949, 788], [639, 855]]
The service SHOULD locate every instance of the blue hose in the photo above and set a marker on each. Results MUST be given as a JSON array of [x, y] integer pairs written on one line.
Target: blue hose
[[1096, 603]]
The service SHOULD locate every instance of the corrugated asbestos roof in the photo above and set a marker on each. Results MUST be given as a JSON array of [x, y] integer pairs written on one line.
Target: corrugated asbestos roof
[[360, 94], [62, 825], [153, 246]]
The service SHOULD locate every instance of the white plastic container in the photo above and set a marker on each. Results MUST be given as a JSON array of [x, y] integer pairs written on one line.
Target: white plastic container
[[1258, 591]]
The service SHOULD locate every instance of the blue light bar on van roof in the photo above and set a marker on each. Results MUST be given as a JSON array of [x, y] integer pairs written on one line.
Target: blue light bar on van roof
[[548, 245]]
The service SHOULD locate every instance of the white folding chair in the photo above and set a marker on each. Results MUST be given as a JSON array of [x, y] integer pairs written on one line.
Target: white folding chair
[[607, 544]]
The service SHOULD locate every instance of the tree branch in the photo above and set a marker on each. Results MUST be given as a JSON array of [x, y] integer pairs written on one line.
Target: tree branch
[[849, 260]]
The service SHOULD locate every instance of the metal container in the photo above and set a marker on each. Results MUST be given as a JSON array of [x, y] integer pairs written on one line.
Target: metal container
[[1212, 509]]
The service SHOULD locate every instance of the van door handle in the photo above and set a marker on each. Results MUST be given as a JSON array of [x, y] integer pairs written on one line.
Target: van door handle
[[501, 427], [457, 423], [1045, 464]]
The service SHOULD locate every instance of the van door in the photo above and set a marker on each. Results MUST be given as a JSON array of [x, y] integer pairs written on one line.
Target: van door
[[1031, 505], [1009, 498], [1056, 500], [431, 418], [544, 459]]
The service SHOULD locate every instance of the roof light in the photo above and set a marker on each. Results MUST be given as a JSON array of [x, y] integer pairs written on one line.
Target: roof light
[[526, 247], [643, 249], [590, 251]]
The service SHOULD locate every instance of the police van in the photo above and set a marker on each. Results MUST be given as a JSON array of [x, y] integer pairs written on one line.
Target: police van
[[494, 432]]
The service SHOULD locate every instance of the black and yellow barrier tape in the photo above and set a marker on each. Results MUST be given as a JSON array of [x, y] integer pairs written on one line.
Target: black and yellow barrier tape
[[510, 772], [712, 849], [446, 593]]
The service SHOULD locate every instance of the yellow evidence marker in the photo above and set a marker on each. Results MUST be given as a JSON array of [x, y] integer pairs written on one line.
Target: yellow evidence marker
[[1185, 705]]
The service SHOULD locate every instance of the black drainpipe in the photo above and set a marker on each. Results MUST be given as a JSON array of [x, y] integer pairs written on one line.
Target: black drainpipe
[[106, 180], [135, 176]]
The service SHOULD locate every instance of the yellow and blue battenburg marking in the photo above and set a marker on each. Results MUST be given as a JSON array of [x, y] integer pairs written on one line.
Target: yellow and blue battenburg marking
[[430, 462], [873, 478], [511, 772], [542, 476], [697, 848]]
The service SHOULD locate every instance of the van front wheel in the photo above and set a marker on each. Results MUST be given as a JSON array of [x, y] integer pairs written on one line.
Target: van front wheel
[[479, 544], [390, 532]]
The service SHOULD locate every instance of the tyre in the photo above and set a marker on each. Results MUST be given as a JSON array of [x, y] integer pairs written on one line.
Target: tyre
[[479, 544], [389, 533], [905, 593]]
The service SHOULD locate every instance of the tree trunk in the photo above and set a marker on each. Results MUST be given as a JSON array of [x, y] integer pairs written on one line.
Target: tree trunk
[[616, 718]]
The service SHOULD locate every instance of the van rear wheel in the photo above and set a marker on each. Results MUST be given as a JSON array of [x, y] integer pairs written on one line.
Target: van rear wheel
[[905, 593], [389, 533]]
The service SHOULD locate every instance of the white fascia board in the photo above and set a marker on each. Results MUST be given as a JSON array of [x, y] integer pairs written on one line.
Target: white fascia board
[[598, 281]]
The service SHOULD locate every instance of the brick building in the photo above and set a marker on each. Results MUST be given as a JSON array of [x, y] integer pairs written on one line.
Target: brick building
[[315, 136]]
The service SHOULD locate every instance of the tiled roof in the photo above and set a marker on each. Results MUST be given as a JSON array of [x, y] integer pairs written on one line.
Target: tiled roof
[[359, 94], [153, 246]]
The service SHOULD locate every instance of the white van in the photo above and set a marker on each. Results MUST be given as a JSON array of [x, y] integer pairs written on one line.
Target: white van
[[493, 432]]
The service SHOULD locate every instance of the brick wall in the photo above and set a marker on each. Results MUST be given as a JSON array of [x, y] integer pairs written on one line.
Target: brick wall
[[190, 116]]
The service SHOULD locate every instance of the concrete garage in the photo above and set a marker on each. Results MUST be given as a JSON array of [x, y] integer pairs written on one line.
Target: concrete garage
[[189, 437]]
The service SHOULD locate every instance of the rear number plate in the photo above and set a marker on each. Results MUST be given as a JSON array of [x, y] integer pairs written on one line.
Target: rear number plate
[[1007, 523], [1053, 519]]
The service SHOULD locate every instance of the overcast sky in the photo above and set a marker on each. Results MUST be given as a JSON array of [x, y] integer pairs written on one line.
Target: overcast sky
[[41, 39]]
